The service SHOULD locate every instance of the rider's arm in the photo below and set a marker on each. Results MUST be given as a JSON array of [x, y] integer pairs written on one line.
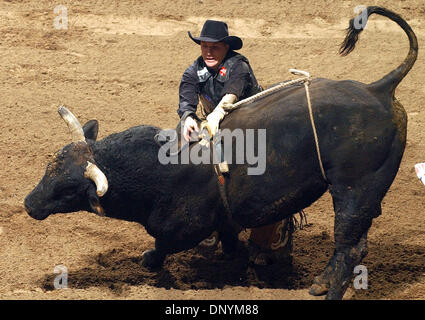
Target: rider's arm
[[188, 92]]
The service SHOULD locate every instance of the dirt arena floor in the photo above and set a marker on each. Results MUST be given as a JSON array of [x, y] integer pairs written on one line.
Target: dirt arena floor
[[120, 62]]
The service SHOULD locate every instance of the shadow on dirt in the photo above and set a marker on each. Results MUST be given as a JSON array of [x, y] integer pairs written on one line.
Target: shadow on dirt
[[198, 268], [202, 268]]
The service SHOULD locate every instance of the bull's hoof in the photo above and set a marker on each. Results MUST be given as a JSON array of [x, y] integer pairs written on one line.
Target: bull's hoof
[[152, 260], [318, 289]]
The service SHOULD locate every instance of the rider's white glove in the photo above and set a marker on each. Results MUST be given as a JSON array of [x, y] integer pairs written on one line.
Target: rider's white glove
[[190, 125], [214, 118]]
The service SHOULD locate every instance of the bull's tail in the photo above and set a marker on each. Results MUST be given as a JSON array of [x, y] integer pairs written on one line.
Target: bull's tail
[[390, 81]]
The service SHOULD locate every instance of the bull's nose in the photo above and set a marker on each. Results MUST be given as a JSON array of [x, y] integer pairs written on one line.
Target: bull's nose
[[27, 204], [28, 208], [34, 211]]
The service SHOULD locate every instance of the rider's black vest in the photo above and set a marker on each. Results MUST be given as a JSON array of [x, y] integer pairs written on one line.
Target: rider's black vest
[[211, 86]]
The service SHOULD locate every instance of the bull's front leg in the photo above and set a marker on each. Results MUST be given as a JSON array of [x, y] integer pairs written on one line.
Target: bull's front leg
[[154, 258]]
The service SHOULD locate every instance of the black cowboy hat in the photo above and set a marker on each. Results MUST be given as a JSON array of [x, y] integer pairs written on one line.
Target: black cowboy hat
[[216, 31]]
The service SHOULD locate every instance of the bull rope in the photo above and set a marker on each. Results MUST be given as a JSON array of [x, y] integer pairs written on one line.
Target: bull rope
[[306, 80], [271, 90]]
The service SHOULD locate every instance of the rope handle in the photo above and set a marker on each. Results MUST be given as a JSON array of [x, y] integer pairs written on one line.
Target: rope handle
[[300, 73]]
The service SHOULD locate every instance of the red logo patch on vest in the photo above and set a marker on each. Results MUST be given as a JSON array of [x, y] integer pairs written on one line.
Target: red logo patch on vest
[[223, 71]]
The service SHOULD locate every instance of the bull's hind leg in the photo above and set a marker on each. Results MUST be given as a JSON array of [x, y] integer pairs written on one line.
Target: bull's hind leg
[[355, 208], [355, 205]]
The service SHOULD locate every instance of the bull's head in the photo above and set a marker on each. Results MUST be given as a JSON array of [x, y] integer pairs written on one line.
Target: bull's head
[[72, 181]]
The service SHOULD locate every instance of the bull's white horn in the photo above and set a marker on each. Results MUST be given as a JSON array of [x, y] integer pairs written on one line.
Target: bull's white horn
[[74, 125], [94, 173]]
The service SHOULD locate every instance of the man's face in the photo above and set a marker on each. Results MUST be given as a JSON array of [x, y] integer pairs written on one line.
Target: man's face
[[213, 53]]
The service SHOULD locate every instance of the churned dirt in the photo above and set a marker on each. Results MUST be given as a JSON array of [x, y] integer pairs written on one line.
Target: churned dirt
[[120, 62]]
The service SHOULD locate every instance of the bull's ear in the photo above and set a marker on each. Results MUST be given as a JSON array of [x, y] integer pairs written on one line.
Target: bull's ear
[[91, 128]]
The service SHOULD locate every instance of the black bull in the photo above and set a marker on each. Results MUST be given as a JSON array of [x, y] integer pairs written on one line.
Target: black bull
[[362, 136]]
